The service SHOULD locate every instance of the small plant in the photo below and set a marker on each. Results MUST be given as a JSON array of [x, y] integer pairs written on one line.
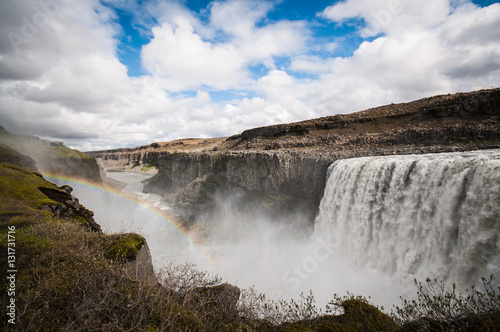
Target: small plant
[[438, 308]]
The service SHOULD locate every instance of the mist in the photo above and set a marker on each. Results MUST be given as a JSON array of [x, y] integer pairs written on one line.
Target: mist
[[280, 257], [284, 257]]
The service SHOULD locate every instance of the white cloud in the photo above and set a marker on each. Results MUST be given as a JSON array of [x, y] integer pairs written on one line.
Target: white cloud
[[389, 16], [66, 82], [189, 54], [189, 62], [427, 50], [311, 64]]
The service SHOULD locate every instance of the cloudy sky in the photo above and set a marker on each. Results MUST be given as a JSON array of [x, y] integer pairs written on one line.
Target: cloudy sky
[[121, 73]]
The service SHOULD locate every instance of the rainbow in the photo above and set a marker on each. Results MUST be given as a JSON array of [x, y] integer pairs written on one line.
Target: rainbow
[[163, 215]]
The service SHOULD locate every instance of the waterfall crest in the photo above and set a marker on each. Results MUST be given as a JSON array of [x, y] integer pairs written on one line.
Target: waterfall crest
[[416, 216]]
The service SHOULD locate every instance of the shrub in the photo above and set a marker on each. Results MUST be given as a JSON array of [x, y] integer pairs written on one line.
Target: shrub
[[439, 309]]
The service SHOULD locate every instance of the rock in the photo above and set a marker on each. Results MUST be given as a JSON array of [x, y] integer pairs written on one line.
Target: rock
[[197, 179], [66, 188], [69, 207], [142, 266]]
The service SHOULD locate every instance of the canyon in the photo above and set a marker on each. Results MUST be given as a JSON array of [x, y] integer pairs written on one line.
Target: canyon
[[282, 169]]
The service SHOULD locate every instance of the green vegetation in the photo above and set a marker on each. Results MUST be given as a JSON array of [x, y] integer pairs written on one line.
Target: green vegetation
[[61, 152], [136, 164], [124, 246], [19, 190], [148, 166]]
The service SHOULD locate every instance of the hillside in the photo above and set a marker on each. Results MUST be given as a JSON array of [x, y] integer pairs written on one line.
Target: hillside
[[53, 157], [457, 122]]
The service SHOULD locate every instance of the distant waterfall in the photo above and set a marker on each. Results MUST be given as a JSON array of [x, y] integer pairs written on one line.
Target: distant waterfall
[[416, 216]]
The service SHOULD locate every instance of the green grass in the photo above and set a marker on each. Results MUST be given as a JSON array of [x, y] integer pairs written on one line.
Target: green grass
[[19, 189]]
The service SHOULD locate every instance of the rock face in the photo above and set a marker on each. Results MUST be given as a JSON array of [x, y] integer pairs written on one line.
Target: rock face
[[282, 169], [142, 267], [268, 182], [144, 158], [461, 118], [69, 207]]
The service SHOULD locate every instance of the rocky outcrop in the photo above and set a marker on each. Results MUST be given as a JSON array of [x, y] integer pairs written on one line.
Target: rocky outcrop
[[69, 207], [461, 110], [142, 266]]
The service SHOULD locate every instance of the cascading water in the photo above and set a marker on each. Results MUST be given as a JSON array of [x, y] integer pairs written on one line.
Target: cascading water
[[416, 216]]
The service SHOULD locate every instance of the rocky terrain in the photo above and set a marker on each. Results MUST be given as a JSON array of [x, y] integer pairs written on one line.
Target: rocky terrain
[[282, 168]]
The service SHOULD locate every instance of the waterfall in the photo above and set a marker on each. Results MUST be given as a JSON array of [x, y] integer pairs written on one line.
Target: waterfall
[[416, 216]]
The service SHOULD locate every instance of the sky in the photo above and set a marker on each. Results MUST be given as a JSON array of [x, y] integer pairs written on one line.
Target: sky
[[117, 73]]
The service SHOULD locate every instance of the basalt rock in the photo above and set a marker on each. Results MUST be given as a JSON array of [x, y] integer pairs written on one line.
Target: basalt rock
[[279, 183], [69, 207]]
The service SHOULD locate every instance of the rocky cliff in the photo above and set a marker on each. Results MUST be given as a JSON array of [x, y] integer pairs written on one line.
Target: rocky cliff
[[282, 168], [271, 183], [53, 157]]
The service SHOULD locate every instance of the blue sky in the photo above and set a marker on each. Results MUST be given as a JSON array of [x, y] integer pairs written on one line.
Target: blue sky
[[119, 73], [323, 30]]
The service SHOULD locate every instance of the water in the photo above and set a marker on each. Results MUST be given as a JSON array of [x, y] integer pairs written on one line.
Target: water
[[417, 216]]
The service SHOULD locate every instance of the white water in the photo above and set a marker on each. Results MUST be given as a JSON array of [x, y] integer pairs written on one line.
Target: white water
[[383, 221], [416, 216]]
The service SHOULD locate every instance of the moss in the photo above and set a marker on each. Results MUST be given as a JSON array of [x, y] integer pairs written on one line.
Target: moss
[[65, 152], [365, 317], [20, 187], [148, 166], [124, 246], [80, 220]]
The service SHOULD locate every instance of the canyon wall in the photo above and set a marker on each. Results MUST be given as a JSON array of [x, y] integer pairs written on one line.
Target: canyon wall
[[272, 183], [282, 169]]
